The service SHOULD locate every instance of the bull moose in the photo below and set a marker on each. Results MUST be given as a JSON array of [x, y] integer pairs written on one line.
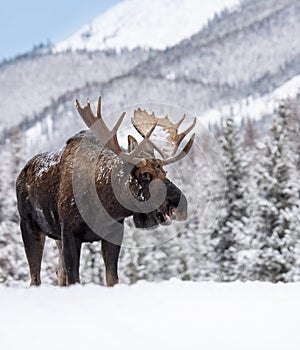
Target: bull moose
[[57, 192]]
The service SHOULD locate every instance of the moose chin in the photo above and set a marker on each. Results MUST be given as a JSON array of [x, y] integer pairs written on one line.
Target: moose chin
[[57, 192]]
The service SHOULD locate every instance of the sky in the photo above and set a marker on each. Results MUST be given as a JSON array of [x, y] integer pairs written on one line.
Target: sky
[[26, 23]]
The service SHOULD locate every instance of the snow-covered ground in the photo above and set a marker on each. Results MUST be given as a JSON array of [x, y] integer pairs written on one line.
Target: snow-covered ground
[[169, 315], [155, 24]]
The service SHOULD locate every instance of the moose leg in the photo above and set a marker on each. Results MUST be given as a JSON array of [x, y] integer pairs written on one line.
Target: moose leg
[[71, 247], [34, 242], [61, 272], [110, 254]]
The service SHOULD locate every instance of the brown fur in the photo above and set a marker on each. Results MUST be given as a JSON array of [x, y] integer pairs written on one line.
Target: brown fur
[[47, 204]]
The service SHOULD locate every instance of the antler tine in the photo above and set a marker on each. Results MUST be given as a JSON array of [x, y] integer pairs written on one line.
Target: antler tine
[[180, 121], [182, 154], [99, 107], [160, 151], [138, 130], [86, 114], [133, 157], [182, 135], [98, 126], [147, 137], [149, 133], [118, 123]]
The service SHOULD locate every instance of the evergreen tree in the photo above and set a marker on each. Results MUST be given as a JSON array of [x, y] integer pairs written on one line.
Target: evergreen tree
[[229, 230], [12, 256], [276, 214], [251, 134]]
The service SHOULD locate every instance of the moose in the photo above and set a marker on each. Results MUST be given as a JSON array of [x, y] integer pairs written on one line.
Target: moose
[[84, 192]]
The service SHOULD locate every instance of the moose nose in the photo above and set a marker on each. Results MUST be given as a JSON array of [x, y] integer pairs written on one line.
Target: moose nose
[[173, 193], [177, 200], [180, 212]]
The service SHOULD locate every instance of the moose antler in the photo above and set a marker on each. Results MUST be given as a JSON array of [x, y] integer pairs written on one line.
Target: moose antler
[[100, 129], [144, 124], [143, 121], [109, 137]]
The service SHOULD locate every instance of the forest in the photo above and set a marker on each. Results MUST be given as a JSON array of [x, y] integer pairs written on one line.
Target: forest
[[245, 213]]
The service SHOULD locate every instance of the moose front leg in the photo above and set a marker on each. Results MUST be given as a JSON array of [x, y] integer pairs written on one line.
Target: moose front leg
[[61, 272], [110, 254], [71, 247]]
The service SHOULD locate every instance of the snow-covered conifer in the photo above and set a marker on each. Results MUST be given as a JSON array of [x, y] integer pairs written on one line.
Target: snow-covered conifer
[[276, 214], [229, 230]]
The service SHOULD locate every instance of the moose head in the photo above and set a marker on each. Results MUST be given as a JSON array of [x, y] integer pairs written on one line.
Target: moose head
[[148, 179]]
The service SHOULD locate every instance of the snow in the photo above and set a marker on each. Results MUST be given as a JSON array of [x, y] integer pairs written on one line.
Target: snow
[[156, 24], [168, 315], [48, 161]]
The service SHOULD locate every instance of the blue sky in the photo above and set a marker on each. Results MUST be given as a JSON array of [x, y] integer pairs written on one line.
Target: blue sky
[[25, 23]]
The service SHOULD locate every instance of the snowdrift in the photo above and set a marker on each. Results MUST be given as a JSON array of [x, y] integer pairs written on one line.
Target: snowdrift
[[168, 315]]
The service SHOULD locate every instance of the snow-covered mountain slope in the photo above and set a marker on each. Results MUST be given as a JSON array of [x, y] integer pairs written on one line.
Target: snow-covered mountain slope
[[31, 83], [170, 315], [247, 45], [254, 108], [156, 24], [238, 58]]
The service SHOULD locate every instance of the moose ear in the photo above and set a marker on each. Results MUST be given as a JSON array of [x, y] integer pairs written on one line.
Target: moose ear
[[132, 143]]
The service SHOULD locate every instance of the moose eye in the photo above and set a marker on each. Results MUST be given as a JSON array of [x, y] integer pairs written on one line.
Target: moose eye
[[158, 167], [146, 176]]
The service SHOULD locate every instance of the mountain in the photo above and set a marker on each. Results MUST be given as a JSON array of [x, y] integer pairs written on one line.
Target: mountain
[[239, 56], [30, 83], [155, 24]]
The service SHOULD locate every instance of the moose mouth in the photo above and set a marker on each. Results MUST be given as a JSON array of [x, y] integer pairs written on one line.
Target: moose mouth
[[162, 216], [165, 217], [155, 218]]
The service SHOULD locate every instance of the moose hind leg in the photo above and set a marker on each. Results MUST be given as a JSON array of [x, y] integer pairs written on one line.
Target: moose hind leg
[[61, 271], [110, 254], [34, 242]]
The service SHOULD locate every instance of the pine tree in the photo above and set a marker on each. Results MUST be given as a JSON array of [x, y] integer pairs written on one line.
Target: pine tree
[[251, 134], [12, 256], [229, 231], [276, 213]]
